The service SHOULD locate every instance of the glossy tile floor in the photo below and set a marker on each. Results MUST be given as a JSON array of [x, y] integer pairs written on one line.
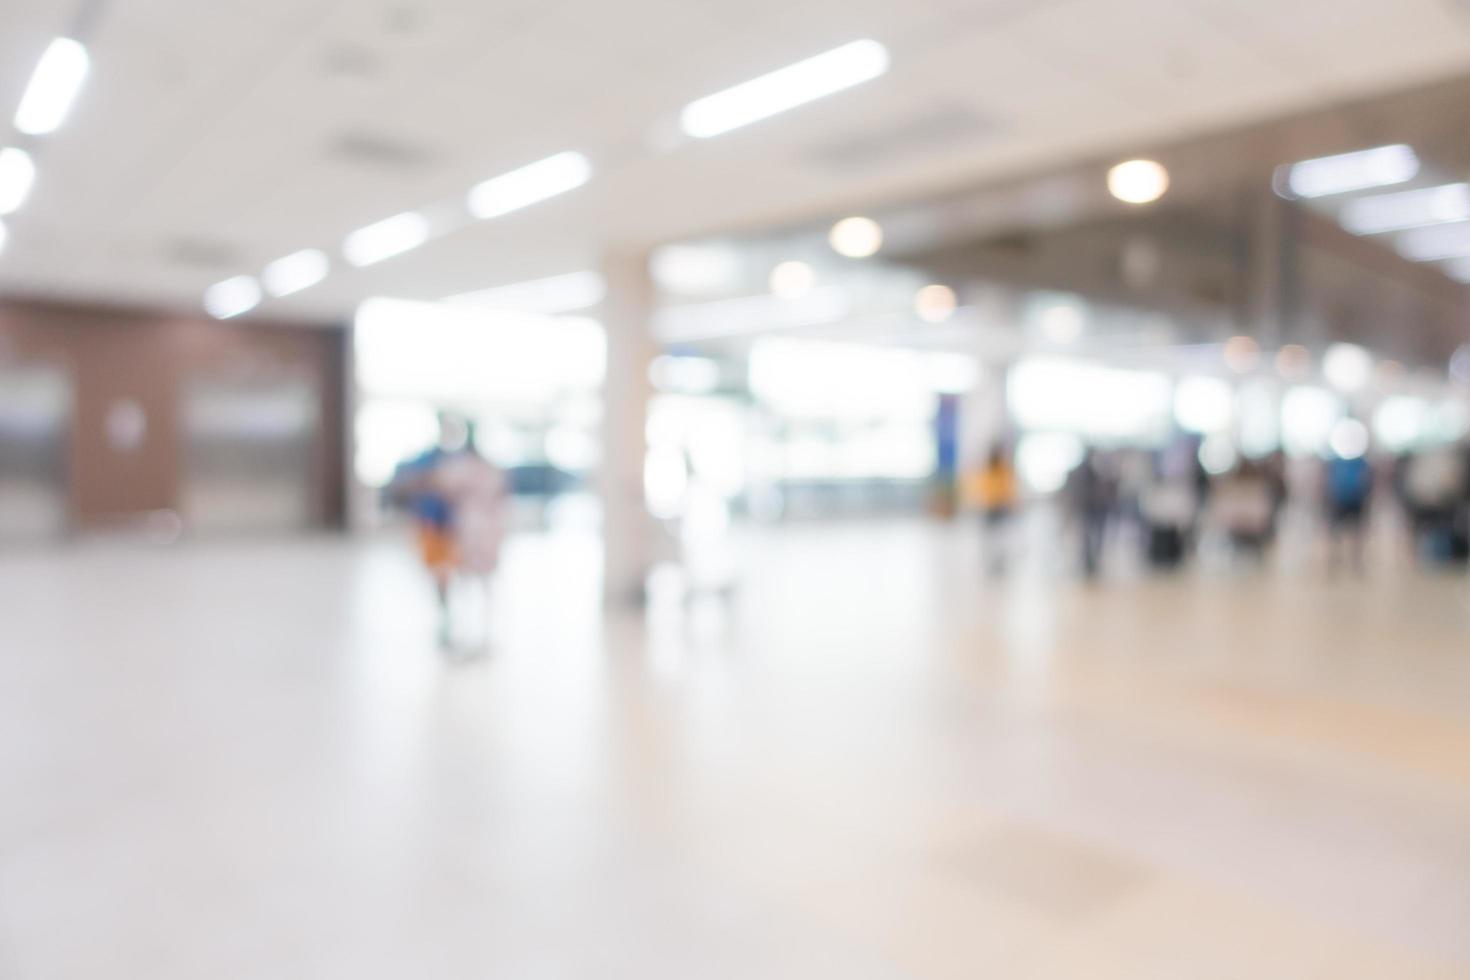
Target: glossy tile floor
[[247, 761]]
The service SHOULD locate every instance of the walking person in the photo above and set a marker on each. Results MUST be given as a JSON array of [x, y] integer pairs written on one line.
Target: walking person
[[995, 490], [477, 494], [1090, 492], [416, 488], [1349, 486]]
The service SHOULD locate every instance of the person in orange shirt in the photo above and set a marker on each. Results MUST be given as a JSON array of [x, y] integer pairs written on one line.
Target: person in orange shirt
[[415, 487], [995, 491]]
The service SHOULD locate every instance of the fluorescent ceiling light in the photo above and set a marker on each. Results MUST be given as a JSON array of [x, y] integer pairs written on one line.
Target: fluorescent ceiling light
[[232, 297], [17, 174], [529, 184], [1358, 171], [295, 272], [1407, 209], [386, 238], [53, 87], [554, 294], [785, 88], [1438, 242]]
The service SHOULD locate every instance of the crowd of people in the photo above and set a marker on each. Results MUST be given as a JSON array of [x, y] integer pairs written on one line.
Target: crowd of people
[[1168, 502]]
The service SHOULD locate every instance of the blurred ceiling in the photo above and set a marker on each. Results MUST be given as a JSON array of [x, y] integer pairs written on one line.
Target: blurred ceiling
[[215, 137]]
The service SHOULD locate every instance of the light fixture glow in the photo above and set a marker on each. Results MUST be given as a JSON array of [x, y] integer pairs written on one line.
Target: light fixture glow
[[1349, 439], [529, 184], [1138, 181], [1458, 270], [1062, 322], [53, 87], [856, 238], [792, 280], [295, 272], [1347, 367], [935, 303], [1437, 242], [1388, 375], [386, 238], [232, 297], [1357, 171], [1293, 362], [685, 375], [1407, 209], [1308, 414], [4, 236], [554, 294], [1459, 366], [17, 174], [783, 89], [1203, 404], [1242, 354]]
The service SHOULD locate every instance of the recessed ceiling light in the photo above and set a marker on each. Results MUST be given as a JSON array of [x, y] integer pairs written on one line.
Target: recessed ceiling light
[[856, 238], [1293, 361], [553, 294], [529, 184], [53, 87], [935, 303], [1138, 181], [1357, 171], [232, 297], [386, 238], [792, 280], [17, 174], [1347, 367], [295, 272], [1407, 209], [783, 89], [1242, 354], [1349, 439]]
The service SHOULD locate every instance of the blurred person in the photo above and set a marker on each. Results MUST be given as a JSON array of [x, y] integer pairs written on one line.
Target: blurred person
[[477, 494], [1136, 474], [1433, 487], [995, 491], [1244, 505], [416, 487], [1349, 487], [1169, 511], [1090, 493], [1273, 468]]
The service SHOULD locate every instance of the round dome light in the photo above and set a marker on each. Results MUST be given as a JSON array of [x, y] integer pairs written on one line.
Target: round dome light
[[1138, 181], [1347, 367], [935, 303], [856, 238], [1293, 362], [792, 280], [1242, 354]]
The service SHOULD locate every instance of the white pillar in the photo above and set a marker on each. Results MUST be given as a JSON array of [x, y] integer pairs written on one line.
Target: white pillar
[[627, 530], [984, 423]]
